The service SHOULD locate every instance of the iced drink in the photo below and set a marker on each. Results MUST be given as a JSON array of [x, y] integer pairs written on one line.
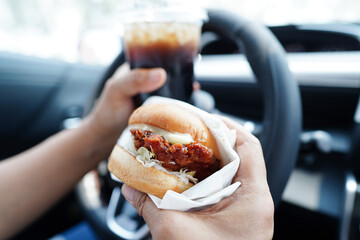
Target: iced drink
[[169, 45]]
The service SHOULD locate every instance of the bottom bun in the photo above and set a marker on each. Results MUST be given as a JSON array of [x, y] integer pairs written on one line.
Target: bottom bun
[[145, 179]]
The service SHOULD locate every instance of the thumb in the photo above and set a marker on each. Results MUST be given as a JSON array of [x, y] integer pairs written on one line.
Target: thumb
[[131, 82], [143, 205]]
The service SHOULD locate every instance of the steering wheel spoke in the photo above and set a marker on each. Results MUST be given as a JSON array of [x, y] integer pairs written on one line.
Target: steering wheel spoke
[[123, 220]]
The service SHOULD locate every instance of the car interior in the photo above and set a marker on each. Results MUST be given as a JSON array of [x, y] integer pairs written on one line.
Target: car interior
[[295, 86]]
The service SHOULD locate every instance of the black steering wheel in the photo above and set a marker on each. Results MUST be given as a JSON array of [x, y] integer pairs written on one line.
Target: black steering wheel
[[282, 117]]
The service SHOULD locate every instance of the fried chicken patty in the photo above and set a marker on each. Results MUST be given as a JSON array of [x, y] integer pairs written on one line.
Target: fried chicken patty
[[193, 157]]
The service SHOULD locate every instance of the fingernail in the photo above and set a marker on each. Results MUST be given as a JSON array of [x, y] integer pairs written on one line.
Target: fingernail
[[128, 192], [155, 75]]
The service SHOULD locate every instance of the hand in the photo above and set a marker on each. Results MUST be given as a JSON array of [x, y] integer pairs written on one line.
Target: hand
[[111, 113], [247, 214]]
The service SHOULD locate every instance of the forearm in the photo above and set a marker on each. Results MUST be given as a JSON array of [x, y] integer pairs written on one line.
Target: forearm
[[33, 181]]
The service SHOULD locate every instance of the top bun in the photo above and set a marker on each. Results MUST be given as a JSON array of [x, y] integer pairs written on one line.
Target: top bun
[[175, 120]]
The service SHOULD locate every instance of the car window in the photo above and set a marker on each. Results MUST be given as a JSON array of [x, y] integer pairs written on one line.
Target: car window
[[88, 31], [74, 31]]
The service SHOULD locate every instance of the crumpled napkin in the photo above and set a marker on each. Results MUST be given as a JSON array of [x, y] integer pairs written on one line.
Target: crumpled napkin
[[217, 186]]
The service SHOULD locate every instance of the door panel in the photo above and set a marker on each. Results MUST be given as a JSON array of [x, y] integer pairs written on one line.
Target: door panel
[[36, 95]]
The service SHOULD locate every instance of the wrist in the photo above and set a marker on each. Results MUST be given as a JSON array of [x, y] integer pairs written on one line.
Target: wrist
[[99, 144]]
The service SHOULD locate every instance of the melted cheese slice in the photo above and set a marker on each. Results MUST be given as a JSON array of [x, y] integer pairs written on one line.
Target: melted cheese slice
[[173, 138]]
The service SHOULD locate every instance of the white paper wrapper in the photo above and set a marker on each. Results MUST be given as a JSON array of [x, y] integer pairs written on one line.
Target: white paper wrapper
[[212, 189]]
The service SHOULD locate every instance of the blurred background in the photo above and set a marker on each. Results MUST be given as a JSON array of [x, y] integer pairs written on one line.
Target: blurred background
[[38, 96], [89, 31]]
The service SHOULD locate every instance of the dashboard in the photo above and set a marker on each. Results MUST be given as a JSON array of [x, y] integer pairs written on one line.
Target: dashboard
[[306, 38], [319, 38], [324, 59]]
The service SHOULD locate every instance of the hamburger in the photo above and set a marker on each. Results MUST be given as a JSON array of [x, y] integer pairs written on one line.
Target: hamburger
[[166, 148]]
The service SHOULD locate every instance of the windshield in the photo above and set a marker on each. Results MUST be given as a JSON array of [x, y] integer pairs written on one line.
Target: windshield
[[88, 31]]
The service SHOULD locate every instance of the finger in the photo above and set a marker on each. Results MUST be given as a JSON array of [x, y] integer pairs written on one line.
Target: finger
[[196, 86], [123, 69], [143, 205], [252, 165], [128, 82]]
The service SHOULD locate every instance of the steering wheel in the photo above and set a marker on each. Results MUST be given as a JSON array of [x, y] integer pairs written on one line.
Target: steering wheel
[[279, 138]]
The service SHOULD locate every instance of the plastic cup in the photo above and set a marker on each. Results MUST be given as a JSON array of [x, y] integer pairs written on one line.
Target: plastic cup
[[167, 37]]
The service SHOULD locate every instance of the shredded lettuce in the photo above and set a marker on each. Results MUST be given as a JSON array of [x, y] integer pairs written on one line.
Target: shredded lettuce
[[147, 158], [145, 154]]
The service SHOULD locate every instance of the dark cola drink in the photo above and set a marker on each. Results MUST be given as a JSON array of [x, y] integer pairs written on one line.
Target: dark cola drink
[[171, 46]]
